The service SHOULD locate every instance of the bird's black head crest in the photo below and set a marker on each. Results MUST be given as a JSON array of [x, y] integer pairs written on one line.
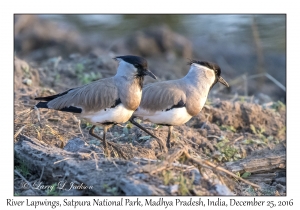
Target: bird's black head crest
[[215, 67], [138, 62]]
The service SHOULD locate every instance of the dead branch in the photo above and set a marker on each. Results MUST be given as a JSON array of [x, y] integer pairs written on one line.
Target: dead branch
[[167, 163], [206, 162], [265, 160], [56, 163]]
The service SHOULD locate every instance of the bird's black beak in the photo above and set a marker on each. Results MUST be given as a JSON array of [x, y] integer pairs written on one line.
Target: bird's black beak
[[222, 81], [149, 73]]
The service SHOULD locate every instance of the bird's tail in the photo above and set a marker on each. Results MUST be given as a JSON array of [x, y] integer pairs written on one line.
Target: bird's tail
[[42, 104]]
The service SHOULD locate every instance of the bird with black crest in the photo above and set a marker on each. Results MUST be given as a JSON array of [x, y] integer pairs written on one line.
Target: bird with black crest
[[107, 101], [174, 102]]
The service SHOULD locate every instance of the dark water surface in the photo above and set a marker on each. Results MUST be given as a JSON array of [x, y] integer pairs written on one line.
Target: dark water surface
[[212, 28], [243, 44]]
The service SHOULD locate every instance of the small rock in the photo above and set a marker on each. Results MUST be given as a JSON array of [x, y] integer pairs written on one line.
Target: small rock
[[78, 145], [74, 56], [281, 174], [140, 176], [281, 180], [223, 190], [281, 189], [74, 145], [274, 183], [27, 82], [173, 189], [197, 176]]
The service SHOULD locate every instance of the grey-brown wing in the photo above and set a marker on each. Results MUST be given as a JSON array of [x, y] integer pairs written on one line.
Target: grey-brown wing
[[95, 96], [163, 96]]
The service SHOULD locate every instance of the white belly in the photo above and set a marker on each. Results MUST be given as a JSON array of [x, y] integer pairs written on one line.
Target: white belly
[[176, 116], [118, 114]]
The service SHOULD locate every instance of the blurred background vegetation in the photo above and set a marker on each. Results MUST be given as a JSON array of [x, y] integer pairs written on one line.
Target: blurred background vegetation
[[250, 49]]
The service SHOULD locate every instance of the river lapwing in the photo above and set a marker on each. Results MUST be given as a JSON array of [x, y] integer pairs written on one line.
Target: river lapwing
[[175, 102], [106, 101]]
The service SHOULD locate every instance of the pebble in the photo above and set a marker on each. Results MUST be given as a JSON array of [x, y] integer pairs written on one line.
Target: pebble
[[174, 189], [281, 180]]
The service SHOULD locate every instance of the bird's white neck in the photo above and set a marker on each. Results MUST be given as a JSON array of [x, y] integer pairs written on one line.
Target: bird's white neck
[[200, 76], [126, 70]]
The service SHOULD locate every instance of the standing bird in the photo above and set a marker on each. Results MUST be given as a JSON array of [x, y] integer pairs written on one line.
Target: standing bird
[[175, 102], [106, 101]]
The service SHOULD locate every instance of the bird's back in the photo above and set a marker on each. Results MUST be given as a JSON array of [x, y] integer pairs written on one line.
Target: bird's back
[[183, 92], [162, 95], [95, 96]]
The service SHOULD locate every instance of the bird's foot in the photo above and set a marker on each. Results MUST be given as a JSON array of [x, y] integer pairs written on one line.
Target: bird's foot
[[161, 143]]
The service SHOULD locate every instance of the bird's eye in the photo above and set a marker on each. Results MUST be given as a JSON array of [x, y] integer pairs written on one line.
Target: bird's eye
[[137, 66]]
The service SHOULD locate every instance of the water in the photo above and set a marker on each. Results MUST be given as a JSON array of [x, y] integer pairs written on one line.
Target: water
[[217, 29], [243, 44]]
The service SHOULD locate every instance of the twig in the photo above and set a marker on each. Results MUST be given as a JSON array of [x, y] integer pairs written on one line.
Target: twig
[[185, 167], [213, 136], [25, 180], [61, 160], [204, 124], [235, 96], [24, 111], [120, 125], [113, 145], [116, 165], [96, 159], [42, 174], [21, 113], [116, 138], [164, 164], [38, 115], [27, 105], [79, 122], [275, 81], [19, 131], [119, 151], [267, 104], [237, 139], [184, 139], [206, 162]]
